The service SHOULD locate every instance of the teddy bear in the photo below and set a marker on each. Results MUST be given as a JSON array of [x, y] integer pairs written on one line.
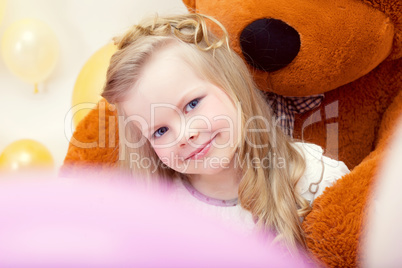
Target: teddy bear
[[332, 71]]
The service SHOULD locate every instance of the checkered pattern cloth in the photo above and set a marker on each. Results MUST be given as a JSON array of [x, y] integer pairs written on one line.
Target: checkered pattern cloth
[[285, 108]]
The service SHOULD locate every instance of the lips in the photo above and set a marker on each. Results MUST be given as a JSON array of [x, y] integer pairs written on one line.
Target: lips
[[201, 151]]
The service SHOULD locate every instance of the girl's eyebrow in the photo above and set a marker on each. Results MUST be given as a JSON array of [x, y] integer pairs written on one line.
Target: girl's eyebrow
[[151, 129], [186, 95]]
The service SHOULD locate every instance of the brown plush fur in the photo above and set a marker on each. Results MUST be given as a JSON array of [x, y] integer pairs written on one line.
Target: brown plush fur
[[93, 146], [336, 226], [351, 50]]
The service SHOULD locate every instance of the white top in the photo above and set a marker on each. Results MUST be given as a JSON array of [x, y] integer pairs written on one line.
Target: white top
[[230, 211]]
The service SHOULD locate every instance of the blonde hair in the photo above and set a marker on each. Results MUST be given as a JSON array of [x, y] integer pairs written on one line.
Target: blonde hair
[[267, 192]]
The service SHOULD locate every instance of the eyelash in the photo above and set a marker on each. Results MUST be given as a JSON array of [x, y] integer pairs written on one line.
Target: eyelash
[[192, 102], [164, 130], [161, 131]]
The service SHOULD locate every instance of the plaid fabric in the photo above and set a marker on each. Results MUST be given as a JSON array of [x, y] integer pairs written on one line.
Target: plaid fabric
[[285, 108]]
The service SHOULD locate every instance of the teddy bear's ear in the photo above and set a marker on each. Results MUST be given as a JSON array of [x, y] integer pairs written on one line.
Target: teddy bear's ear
[[190, 4], [393, 9]]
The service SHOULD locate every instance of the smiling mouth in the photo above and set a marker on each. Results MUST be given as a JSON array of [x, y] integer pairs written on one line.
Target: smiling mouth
[[202, 151]]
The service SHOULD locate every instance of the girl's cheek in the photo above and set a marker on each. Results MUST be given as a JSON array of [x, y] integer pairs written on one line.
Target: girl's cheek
[[165, 155], [168, 140], [169, 158], [166, 161]]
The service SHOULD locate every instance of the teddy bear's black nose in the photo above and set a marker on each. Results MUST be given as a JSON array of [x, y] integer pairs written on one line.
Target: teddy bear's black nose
[[269, 44]]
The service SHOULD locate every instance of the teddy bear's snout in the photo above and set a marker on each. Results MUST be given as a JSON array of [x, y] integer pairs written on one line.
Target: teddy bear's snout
[[269, 44]]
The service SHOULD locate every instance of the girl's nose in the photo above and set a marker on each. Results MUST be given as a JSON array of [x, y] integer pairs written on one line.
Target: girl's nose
[[194, 126], [190, 137]]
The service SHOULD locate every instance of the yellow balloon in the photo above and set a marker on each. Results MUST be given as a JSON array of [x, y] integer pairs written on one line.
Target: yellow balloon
[[30, 50], [25, 155], [90, 82], [2, 9]]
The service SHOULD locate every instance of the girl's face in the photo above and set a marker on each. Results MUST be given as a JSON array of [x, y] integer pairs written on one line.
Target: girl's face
[[191, 124]]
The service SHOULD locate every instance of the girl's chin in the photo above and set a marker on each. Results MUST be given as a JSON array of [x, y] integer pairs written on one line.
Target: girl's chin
[[206, 165], [205, 171]]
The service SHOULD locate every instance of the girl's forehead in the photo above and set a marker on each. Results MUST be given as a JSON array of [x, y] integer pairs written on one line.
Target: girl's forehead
[[164, 77], [163, 80], [163, 57]]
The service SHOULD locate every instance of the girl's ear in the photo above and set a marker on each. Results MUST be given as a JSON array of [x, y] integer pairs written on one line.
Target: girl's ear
[[190, 4]]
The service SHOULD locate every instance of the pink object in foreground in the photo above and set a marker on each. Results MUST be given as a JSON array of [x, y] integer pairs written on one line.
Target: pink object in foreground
[[72, 223]]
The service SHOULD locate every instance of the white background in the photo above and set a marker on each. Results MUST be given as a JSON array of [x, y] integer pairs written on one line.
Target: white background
[[82, 27]]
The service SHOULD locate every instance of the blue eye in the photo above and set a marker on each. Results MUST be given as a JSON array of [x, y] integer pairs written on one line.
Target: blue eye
[[191, 105], [160, 131]]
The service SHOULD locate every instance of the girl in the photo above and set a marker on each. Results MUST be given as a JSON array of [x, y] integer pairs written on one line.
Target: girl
[[193, 115]]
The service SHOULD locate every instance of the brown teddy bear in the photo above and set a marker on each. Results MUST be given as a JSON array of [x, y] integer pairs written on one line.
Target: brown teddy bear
[[314, 47], [332, 71], [345, 57]]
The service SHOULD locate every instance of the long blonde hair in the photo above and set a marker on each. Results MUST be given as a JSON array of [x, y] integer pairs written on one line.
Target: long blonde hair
[[268, 192]]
